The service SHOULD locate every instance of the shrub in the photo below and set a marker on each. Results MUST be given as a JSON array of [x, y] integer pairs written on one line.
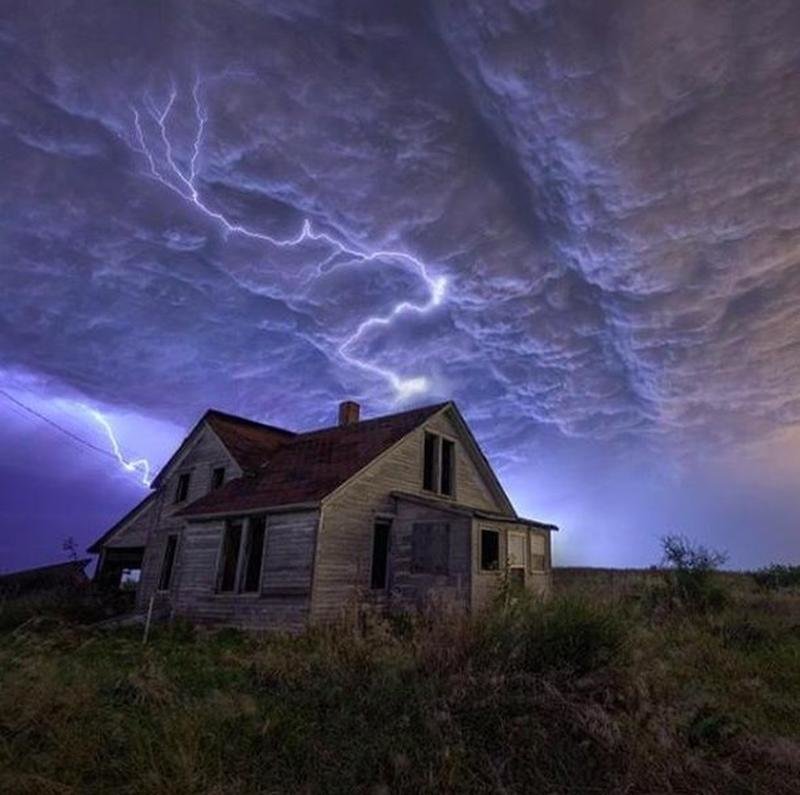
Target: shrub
[[70, 604], [567, 635], [777, 576], [690, 579]]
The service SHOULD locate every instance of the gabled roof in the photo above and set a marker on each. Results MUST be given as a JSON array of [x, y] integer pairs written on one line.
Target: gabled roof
[[97, 547], [309, 466], [249, 443]]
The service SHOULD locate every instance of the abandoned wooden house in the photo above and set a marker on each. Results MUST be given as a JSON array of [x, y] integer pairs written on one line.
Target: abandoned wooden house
[[261, 527]]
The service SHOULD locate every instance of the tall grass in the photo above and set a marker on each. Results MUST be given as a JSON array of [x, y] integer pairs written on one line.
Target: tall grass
[[563, 696]]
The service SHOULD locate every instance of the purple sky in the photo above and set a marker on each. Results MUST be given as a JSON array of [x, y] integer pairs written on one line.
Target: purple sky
[[580, 220]]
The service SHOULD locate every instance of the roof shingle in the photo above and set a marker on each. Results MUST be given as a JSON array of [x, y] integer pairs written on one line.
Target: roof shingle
[[306, 467]]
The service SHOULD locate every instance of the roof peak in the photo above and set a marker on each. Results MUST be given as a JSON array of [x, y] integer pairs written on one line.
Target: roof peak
[[430, 407], [224, 415]]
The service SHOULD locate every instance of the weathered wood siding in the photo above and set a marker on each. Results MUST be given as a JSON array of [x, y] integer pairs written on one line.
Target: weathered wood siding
[[202, 457], [283, 600], [471, 489], [135, 531], [344, 551], [485, 584], [409, 589]]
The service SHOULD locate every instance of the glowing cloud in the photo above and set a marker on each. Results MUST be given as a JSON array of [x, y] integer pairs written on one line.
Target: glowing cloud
[[183, 182]]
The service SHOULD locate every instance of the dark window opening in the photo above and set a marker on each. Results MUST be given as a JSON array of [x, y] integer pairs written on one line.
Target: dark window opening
[[430, 547], [254, 554], [217, 478], [168, 564], [231, 544], [448, 456], [129, 579], [182, 492], [430, 466], [490, 550], [380, 554]]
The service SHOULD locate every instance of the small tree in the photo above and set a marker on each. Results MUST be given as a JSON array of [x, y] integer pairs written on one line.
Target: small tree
[[690, 576]]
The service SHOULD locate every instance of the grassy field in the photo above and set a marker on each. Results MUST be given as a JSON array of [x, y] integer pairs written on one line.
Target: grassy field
[[591, 692]]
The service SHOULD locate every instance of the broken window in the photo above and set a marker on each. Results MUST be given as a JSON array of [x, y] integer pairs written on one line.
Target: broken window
[[231, 545], [168, 563], [438, 470], [431, 464], [242, 555], [217, 478], [182, 491], [430, 547], [490, 550], [254, 554], [380, 554], [448, 462]]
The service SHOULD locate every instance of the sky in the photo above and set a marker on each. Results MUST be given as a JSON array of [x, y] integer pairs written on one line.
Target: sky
[[578, 220]]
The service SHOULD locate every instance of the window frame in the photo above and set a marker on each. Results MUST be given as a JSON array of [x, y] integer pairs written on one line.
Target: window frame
[[183, 477], [543, 555], [213, 485], [247, 550], [240, 573], [481, 568], [440, 440], [415, 565], [526, 546], [385, 523], [168, 572]]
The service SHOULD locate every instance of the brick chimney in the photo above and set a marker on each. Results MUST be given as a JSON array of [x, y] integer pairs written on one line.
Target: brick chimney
[[348, 412]]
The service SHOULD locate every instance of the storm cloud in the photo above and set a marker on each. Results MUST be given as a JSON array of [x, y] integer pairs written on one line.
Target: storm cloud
[[611, 191]]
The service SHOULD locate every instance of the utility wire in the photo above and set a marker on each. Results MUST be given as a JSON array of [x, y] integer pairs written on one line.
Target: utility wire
[[54, 424]]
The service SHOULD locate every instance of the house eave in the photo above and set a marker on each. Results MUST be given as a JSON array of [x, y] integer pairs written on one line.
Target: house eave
[[272, 509], [449, 506]]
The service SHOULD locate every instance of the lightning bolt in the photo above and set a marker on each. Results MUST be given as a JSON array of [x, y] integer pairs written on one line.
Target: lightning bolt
[[139, 465], [183, 181]]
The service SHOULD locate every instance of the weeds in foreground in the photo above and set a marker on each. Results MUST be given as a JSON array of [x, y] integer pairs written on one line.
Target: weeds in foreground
[[560, 696]]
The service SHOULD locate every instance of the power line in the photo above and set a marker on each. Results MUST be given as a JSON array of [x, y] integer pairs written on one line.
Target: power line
[[54, 424]]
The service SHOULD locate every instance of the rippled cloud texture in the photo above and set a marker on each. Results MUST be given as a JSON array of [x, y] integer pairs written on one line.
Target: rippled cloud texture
[[610, 189]]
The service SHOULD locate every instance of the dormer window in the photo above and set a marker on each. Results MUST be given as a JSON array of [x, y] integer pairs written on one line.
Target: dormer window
[[438, 473], [217, 478], [182, 491]]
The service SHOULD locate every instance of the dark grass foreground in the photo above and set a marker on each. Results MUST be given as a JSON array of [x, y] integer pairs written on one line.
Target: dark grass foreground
[[578, 695]]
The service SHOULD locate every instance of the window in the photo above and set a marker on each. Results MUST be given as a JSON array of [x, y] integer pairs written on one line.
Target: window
[[254, 554], [167, 565], [429, 475], [380, 554], [242, 555], [430, 547], [438, 469], [490, 550], [182, 492], [448, 456], [538, 552], [516, 551], [217, 478], [231, 545]]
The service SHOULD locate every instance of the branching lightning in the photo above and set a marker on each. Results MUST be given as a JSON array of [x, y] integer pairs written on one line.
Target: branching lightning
[[184, 182], [139, 465]]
